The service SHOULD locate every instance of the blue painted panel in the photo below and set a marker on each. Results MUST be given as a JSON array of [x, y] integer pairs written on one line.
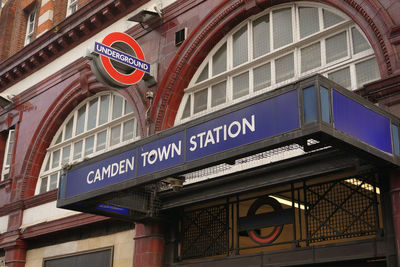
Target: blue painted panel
[[113, 209], [101, 173], [161, 154], [262, 120], [361, 123]]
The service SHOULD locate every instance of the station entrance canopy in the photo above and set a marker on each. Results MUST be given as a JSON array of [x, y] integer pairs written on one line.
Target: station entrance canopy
[[113, 184]]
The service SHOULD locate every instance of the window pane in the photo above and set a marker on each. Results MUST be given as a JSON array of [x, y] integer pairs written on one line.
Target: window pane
[[240, 85], [128, 130], [101, 140], [104, 106], [47, 164], [186, 110], [284, 68], [56, 159], [203, 75], [341, 77], [68, 129], [11, 139], [117, 107], [336, 47], [53, 181], [240, 47], [310, 104], [92, 115], [219, 61], [282, 27], [262, 77], [218, 94], [128, 108], [310, 57], [367, 71], [80, 124], [309, 22], [200, 100], [359, 42], [115, 135], [261, 36], [43, 185], [65, 154], [331, 19], [89, 145], [59, 138], [325, 104], [78, 150]]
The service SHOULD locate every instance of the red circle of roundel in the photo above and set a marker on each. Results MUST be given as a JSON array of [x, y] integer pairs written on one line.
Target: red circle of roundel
[[271, 237], [126, 79]]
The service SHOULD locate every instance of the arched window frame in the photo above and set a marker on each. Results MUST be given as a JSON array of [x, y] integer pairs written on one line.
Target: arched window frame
[[348, 63], [54, 160]]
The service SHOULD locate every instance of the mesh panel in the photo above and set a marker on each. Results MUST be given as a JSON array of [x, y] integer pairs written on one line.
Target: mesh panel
[[341, 77], [240, 45], [283, 34], [336, 47], [261, 36], [284, 68], [311, 57], [204, 232], [367, 71], [240, 85]]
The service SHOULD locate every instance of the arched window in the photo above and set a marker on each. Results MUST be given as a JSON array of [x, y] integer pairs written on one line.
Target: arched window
[[101, 123], [276, 47]]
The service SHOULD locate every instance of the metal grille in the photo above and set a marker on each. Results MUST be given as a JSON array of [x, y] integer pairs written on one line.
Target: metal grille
[[341, 209], [205, 232]]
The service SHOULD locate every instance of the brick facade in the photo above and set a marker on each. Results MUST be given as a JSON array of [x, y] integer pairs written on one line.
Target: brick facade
[[38, 112]]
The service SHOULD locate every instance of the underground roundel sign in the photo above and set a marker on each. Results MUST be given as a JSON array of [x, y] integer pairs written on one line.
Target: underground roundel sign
[[118, 60]]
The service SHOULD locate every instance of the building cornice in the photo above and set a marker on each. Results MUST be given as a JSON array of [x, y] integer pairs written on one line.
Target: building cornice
[[72, 31]]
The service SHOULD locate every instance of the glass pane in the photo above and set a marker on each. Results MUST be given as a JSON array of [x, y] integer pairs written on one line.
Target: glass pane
[[310, 104], [104, 106], [115, 135], [128, 108], [282, 27], [218, 94], [219, 61], [240, 46], [92, 114], [80, 123], [65, 154], [117, 107], [53, 181], [325, 104], [367, 71], [203, 75], [43, 185], [341, 77], [262, 77], [200, 100], [128, 130], [68, 129], [359, 42], [56, 159], [47, 164], [240, 85], [395, 137], [261, 36], [309, 22], [310, 57], [78, 150], [186, 110], [331, 19], [59, 138], [89, 145], [336, 47], [284, 68], [101, 140]]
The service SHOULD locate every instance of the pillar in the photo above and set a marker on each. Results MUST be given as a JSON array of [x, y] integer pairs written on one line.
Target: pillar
[[395, 199], [15, 253], [149, 245]]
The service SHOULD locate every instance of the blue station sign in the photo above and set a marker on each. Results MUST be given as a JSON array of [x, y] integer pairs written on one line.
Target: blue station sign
[[287, 115]]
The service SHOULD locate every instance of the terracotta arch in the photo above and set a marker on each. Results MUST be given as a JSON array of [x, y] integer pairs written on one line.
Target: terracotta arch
[[62, 106], [232, 12]]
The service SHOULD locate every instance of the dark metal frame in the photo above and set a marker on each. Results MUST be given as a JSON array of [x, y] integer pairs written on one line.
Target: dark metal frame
[[302, 194]]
